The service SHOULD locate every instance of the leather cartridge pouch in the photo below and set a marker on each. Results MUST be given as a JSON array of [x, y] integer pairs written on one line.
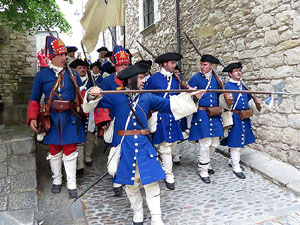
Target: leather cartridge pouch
[[244, 114], [214, 111], [62, 105], [43, 122]]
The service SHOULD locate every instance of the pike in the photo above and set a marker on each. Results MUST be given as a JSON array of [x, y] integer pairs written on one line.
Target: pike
[[91, 78]]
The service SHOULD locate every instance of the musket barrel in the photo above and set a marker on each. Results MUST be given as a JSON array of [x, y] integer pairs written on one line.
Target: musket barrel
[[192, 90]]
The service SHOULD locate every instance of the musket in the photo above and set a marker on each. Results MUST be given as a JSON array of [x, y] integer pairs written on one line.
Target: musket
[[193, 90], [196, 48], [140, 55], [91, 78], [146, 49], [89, 187]]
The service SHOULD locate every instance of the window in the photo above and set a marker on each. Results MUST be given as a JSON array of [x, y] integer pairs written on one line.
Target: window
[[148, 9]]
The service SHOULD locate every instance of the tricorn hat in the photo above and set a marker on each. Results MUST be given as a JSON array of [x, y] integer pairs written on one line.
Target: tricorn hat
[[232, 66], [145, 62], [210, 59], [97, 63], [78, 62], [170, 56], [102, 49], [71, 48], [132, 70]]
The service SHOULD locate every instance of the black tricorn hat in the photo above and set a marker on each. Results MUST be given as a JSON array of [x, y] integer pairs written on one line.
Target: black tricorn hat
[[71, 48], [102, 49], [97, 63], [108, 54], [232, 66], [78, 62], [132, 70], [145, 62], [210, 59], [170, 56]]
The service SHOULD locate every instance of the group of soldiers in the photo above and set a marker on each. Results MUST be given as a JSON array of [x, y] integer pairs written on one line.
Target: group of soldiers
[[146, 126]]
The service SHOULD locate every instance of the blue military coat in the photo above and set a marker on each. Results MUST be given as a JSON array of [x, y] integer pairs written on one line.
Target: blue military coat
[[241, 133], [168, 129], [202, 125], [65, 128], [135, 149]]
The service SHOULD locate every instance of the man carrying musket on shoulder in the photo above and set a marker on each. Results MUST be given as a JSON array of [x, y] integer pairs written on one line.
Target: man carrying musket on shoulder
[[66, 130], [139, 165], [206, 127], [237, 118], [168, 131]]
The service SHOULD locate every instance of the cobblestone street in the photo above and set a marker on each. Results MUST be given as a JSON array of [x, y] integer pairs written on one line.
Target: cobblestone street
[[227, 200]]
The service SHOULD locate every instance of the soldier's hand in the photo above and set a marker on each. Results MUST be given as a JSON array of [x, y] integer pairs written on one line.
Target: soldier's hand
[[229, 95], [257, 100], [33, 125], [95, 91], [198, 94]]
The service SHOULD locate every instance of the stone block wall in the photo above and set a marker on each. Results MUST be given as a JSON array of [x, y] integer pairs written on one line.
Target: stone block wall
[[17, 175], [17, 63], [263, 35]]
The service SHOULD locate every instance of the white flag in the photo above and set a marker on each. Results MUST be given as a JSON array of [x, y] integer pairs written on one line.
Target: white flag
[[98, 16]]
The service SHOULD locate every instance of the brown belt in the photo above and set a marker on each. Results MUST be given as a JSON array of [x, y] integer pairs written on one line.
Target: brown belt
[[236, 111], [202, 108], [132, 132]]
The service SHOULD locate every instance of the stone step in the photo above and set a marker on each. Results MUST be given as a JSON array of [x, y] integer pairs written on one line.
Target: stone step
[[19, 217]]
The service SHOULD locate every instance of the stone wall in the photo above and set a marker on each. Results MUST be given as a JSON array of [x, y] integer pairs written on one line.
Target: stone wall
[[17, 67], [18, 196], [264, 35]]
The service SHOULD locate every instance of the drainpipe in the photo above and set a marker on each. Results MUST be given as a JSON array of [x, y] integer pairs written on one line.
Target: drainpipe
[[178, 30]]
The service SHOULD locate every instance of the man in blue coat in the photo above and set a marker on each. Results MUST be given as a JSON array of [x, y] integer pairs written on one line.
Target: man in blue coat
[[240, 132], [139, 165], [206, 128], [66, 129], [168, 131]]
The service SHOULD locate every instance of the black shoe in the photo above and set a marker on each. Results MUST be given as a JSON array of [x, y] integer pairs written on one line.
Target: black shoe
[[73, 193], [118, 191], [80, 173], [211, 171], [138, 223], [170, 186], [89, 163], [56, 188], [205, 179], [240, 175], [177, 163]]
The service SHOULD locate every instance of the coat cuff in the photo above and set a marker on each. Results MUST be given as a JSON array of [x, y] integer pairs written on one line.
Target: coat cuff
[[182, 105], [32, 111], [90, 102], [101, 115]]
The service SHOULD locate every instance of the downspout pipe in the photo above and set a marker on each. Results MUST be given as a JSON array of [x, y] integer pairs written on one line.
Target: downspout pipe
[[178, 31]]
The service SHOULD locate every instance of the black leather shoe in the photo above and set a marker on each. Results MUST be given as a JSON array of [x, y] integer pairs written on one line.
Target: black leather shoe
[[56, 188], [170, 186], [73, 193], [177, 163], [205, 179], [80, 173], [89, 163], [118, 191], [138, 223], [240, 175], [211, 171]]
